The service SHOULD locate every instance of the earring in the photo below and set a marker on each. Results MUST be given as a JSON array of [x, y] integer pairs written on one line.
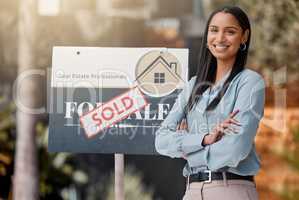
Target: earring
[[243, 47]]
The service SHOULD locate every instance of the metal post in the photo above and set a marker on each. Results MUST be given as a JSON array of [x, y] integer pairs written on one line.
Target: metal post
[[119, 176]]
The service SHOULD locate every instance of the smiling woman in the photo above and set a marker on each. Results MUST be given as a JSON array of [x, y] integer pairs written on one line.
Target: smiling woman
[[225, 36], [214, 121]]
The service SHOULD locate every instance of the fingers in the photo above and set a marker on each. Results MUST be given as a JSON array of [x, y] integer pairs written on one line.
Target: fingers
[[218, 138], [215, 137], [183, 125], [233, 121], [234, 113], [231, 130], [226, 127]]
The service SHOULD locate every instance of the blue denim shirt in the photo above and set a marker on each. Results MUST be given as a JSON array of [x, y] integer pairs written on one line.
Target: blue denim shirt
[[235, 152]]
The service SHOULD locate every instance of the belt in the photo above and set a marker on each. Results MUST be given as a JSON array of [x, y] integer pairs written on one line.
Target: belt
[[208, 176]]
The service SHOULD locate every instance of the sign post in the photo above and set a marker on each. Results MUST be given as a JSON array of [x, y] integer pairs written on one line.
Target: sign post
[[119, 168]]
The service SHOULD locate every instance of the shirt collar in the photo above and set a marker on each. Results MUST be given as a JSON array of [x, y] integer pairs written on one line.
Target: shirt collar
[[220, 83]]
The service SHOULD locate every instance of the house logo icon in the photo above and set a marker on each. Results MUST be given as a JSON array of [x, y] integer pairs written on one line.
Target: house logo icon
[[158, 73]]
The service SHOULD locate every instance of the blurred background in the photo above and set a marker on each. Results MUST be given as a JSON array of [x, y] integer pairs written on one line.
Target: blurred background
[[29, 30]]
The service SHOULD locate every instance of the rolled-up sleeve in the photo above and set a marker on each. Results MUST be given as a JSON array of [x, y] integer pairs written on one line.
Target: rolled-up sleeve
[[233, 148], [173, 143]]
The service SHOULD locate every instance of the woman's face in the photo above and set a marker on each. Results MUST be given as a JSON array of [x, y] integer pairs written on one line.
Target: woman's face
[[225, 36]]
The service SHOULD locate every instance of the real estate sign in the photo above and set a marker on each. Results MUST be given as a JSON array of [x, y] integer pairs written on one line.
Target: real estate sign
[[112, 100]]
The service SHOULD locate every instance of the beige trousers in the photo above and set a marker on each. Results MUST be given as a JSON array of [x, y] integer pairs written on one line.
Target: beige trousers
[[221, 190]]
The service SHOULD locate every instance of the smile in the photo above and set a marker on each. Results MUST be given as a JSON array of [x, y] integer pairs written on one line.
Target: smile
[[220, 46]]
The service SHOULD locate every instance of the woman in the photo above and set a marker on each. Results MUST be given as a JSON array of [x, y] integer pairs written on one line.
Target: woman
[[215, 118]]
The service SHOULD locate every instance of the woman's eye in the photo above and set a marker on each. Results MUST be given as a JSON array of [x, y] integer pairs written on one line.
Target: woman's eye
[[213, 30], [231, 32]]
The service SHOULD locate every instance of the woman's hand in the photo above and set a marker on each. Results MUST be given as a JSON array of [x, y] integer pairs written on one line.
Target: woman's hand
[[220, 129], [182, 126]]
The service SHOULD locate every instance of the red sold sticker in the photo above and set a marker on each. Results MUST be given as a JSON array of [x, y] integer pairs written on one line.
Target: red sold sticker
[[112, 112]]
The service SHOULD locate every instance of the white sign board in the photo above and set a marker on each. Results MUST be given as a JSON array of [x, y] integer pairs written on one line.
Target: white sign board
[[112, 100]]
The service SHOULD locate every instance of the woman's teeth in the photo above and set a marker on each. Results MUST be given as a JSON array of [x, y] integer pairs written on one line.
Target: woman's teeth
[[221, 47]]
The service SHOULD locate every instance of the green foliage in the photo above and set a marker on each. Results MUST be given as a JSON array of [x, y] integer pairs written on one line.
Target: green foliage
[[292, 158], [290, 194], [57, 171], [60, 174], [275, 28], [296, 134], [292, 155], [7, 141]]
